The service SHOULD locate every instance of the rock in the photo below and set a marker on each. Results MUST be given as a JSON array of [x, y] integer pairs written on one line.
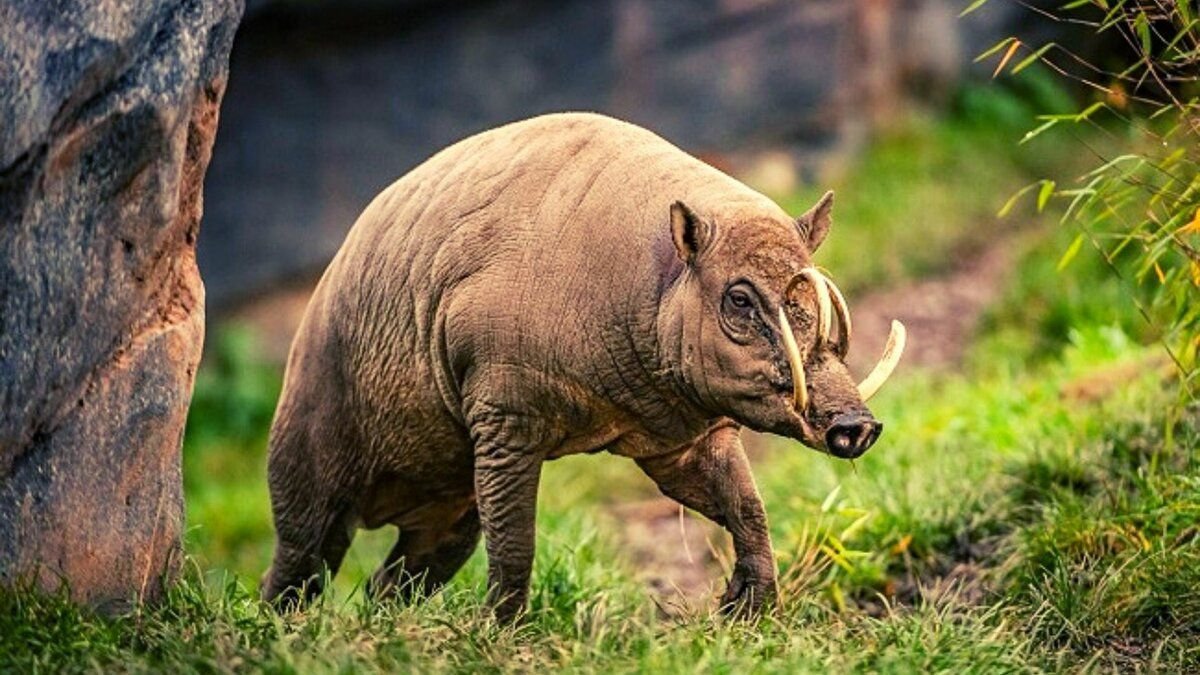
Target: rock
[[108, 111]]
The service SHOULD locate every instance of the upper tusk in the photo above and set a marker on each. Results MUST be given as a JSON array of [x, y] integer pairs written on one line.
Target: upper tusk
[[843, 310], [887, 363], [799, 387], [824, 311]]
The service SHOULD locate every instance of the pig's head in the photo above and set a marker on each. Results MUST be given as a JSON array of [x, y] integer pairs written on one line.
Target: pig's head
[[763, 334]]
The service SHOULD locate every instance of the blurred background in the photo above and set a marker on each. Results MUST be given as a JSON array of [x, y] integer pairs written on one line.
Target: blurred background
[[329, 102], [1043, 351]]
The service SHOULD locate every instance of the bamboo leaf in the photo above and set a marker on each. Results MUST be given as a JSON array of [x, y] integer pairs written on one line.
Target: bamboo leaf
[[1031, 59], [1030, 135], [1064, 117], [1071, 252], [1012, 201], [1087, 112], [1112, 164], [1185, 31], [1142, 25], [972, 7], [1012, 49], [1044, 194], [994, 48], [1081, 197]]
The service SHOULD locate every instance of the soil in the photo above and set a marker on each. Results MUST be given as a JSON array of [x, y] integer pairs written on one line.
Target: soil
[[680, 557], [940, 313]]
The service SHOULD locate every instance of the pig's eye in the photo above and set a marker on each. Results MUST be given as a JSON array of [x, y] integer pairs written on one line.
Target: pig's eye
[[739, 312], [738, 301]]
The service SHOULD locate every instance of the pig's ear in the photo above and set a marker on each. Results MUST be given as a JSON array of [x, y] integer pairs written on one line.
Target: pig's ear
[[815, 222], [689, 233]]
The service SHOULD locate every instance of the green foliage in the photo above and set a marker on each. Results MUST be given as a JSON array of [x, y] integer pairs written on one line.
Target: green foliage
[[1116, 567], [1044, 307], [1139, 206], [224, 471], [235, 392], [925, 189]]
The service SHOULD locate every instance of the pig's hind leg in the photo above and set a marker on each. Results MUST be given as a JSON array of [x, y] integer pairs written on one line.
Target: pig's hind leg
[[427, 555], [314, 506]]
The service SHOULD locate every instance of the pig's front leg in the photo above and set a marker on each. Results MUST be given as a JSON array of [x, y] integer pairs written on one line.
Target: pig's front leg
[[509, 450], [713, 477]]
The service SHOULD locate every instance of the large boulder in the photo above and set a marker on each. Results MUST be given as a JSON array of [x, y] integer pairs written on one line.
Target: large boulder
[[108, 109]]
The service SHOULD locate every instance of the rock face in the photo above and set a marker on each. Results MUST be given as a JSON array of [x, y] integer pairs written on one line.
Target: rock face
[[108, 110]]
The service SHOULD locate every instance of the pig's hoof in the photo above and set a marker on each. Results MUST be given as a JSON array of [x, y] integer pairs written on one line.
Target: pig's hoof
[[510, 609], [751, 590]]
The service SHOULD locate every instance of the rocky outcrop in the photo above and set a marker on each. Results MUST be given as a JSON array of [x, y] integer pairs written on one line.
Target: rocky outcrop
[[108, 110]]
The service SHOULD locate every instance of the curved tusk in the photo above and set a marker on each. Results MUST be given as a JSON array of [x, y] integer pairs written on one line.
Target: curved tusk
[[843, 312], [824, 311], [799, 387], [887, 363]]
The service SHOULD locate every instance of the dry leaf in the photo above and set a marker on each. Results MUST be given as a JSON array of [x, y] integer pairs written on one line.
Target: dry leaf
[[1012, 49], [1192, 227]]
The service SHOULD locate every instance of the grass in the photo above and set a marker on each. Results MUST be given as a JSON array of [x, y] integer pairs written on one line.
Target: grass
[[1080, 517], [1036, 510]]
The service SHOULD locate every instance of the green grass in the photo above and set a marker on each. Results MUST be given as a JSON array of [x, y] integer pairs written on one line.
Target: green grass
[[1004, 523], [1080, 516]]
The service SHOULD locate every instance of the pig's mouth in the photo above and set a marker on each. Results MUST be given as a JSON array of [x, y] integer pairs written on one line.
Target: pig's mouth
[[848, 435]]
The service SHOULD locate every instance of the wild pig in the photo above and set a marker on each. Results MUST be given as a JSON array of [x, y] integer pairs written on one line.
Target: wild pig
[[570, 283]]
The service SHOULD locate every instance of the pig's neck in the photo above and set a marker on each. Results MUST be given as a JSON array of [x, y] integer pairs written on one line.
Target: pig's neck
[[667, 355]]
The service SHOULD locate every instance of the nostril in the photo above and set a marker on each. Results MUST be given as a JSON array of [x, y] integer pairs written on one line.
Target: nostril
[[876, 430], [852, 435], [838, 439]]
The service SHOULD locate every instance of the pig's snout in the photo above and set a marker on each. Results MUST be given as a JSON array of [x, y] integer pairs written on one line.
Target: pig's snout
[[852, 434]]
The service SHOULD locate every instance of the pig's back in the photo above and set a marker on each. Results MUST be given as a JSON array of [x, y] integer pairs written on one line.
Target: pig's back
[[519, 242]]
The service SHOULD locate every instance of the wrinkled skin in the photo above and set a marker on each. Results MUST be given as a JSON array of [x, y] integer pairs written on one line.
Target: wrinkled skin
[[565, 284]]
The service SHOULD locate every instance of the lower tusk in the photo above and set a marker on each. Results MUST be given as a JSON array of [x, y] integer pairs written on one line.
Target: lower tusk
[[887, 363], [799, 387]]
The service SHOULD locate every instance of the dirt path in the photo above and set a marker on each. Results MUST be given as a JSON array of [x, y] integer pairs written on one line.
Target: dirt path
[[679, 556], [940, 312]]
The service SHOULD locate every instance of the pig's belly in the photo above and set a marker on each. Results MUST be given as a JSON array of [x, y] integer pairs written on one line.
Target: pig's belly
[[423, 465]]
